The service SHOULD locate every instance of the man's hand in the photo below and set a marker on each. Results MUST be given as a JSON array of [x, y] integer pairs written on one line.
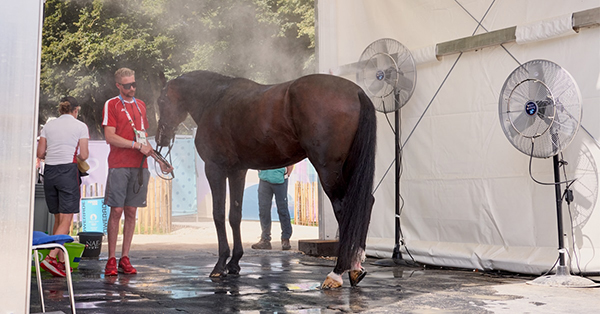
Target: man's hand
[[165, 168], [146, 149]]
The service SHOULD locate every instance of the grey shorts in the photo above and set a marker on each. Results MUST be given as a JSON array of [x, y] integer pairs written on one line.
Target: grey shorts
[[124, 187]]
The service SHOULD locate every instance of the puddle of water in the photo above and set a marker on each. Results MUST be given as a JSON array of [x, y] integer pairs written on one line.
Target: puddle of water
[[306, 286], [185, 294], [98, 304]]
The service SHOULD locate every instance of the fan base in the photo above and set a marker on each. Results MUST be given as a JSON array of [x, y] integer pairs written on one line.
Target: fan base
[[563, 279]]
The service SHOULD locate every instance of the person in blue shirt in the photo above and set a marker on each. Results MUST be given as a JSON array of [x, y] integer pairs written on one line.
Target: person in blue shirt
[[273, 182]]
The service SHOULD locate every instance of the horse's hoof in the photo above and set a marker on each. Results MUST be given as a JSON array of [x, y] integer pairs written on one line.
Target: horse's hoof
[[356, 276], [216, 275], [233, 270], [330, 283]]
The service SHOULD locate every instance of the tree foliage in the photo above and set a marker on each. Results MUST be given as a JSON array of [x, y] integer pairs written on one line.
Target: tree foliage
[[85, 41]]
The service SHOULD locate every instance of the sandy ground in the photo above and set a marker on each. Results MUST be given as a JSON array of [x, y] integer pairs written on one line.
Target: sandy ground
[[203, 232]]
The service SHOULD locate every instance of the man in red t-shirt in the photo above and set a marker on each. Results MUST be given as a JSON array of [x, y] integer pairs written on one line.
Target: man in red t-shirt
[[125, 123]]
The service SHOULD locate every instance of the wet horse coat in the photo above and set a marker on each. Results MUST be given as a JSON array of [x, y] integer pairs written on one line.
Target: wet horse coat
[[245, 125]]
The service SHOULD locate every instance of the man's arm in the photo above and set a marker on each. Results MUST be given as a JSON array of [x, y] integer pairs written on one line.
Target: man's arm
[[113, 139], [110, 134]]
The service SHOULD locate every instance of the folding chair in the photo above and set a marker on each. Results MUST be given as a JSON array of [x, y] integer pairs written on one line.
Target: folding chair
[[44, 241]]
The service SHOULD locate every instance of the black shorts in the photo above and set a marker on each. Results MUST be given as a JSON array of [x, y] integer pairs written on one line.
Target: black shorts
[[61, 187]]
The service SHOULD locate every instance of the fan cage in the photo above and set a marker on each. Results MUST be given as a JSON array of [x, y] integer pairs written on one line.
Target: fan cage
[[541, 82], [387, 72]]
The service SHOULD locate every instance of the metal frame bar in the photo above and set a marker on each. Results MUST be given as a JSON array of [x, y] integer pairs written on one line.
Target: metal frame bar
[[583, 19]]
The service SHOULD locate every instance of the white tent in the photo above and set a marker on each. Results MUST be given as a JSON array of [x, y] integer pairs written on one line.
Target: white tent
[[468, 198]]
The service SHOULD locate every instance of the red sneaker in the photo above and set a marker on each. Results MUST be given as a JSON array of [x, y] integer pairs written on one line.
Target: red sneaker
[[52, 266], [111, 267], [125, 266], [63, 267]]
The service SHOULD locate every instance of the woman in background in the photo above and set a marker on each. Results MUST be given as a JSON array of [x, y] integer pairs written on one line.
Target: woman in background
[[63, 141]]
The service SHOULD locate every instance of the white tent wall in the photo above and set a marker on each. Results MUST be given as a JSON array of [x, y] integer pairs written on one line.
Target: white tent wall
[[468, 198], [20, 51]]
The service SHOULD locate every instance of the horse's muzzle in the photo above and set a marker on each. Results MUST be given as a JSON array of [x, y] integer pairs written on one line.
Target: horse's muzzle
[[164, 134]]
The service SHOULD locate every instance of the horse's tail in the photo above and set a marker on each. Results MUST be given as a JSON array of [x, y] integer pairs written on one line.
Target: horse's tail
[[357, 204]]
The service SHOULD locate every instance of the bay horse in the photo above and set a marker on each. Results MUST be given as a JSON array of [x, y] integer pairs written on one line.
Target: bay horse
[[245, 125]]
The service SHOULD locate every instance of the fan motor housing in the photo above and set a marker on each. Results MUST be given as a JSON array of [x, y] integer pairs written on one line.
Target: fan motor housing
[[531, 108]]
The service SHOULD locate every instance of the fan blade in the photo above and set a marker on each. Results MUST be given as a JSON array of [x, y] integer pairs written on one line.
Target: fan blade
[[404, 83], [380, 46], [376, 86], [523, 122], [385, 62], [537, 90]]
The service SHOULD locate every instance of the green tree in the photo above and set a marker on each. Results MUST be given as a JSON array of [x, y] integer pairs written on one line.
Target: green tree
[[85, 41]]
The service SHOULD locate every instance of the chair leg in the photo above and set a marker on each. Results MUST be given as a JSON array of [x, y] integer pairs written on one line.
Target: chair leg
[[67, 272], [39, 279], [69, 280]]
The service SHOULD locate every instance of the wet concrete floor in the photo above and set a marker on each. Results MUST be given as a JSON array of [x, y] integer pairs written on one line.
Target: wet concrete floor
[[173, 278]]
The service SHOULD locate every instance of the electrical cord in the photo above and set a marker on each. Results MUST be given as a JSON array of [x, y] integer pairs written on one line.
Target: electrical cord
[[568, 182]]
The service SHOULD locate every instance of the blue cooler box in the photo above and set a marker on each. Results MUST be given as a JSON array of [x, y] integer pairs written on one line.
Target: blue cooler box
[[94, 215]]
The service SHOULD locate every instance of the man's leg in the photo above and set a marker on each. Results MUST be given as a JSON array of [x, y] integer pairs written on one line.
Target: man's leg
[[113, 230], [265, 198], [128, 229], [281, 200]]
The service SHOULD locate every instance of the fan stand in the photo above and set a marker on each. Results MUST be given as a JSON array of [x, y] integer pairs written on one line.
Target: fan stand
[[562, 278], [396, 254]]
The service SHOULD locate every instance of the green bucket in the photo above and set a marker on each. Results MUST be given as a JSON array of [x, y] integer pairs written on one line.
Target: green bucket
[[74, 249]]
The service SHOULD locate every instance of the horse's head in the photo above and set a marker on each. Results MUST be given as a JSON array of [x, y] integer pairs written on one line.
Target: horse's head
[[171, 113]]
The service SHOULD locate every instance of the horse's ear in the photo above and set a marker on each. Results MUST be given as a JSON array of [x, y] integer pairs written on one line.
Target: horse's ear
[[162, 78]]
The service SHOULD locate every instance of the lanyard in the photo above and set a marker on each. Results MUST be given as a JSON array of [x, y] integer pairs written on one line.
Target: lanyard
[[129, 117]]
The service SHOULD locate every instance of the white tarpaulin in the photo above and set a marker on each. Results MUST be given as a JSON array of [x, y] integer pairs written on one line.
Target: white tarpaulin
[[468, 198]]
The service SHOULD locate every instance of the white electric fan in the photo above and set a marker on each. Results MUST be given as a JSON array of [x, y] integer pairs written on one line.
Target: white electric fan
[[387, 72], [540, 113]]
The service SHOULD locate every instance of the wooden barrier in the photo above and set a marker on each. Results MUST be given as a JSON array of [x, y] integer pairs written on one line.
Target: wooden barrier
[[306, 205], [156, 217]]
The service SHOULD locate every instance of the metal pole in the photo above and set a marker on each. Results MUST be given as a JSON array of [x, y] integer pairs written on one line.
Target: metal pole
[[396, 254], [557, 191]]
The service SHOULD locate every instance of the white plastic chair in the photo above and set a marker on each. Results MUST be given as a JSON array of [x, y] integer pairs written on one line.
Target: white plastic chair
[[43, 241]]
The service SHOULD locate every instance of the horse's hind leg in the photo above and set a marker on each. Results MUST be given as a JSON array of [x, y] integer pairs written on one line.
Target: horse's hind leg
[[217, 181], [348, 220], [236, 192]]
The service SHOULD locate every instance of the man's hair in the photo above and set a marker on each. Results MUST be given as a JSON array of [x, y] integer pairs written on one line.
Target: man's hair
[[123, 72]]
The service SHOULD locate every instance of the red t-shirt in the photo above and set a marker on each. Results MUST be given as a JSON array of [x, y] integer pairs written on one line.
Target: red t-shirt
[[114, 115]]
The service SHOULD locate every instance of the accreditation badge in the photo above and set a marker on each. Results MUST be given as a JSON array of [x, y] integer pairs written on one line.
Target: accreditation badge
[[140, 137]]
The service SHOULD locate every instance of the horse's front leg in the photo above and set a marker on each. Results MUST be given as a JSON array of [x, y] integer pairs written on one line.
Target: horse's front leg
[[237, 180], [217, 181]]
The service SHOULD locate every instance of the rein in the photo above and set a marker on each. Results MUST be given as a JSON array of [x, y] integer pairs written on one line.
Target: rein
[[158, 157]]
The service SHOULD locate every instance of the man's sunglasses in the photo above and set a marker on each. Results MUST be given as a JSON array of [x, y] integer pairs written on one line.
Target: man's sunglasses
[[129, 85]]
